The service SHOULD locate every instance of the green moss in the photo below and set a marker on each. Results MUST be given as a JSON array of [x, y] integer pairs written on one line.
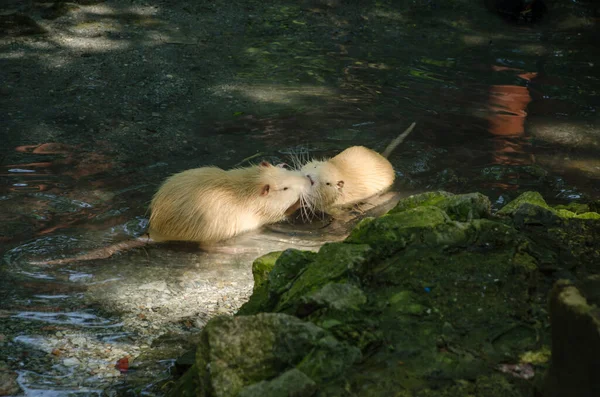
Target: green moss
[[495, 386], [334, 262], [525, 261], [290, 383], [262, 266], [585, 215], [405, 302], [249, 350], [577, 208], [420, 200], [461, 207], [394, 231], [290, 264], [532, 203], [527, 197], [465, 207], [588, 215], [536, 357], [428, 299], [336, 296]]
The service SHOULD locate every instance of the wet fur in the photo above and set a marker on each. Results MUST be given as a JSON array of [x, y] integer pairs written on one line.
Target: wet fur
[[210, 204]]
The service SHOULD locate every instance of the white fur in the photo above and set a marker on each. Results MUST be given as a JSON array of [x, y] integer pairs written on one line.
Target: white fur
[[210, 204], [352, 176]]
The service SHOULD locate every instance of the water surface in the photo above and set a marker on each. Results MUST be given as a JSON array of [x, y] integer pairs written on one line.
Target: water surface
[[118, 95]]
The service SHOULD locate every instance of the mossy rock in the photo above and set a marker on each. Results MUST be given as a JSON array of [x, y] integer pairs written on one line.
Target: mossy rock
[[261, 267], [526, 198], [245, 354], [269, 282], [335, 262], [290, 383], [188, 385], [394, 231], [428, 300], [532, 205], [577, 208], [420, 200], [462, 207]]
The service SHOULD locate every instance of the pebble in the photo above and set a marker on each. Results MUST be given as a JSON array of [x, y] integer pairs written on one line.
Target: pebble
[[80, 341], [71, 362], [157, 286]]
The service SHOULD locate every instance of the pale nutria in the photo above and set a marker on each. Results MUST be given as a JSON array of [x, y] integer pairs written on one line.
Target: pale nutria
[[352, 176], [208, 204]]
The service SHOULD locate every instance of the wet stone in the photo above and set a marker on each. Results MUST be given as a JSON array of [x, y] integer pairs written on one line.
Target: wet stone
[[71, 362]]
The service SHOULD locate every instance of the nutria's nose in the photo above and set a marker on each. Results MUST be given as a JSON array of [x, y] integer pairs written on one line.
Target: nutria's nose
[[310, 179]]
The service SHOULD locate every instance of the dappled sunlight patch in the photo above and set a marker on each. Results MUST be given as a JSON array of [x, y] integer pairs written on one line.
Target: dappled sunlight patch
[[93, 27], [106, 10], [459, 22], [101, 28], [390, 15], [94, 44], [17, 54], [575, 22], [589, 165], [475, 40], [533, 49], [276, 94], [566, 134]]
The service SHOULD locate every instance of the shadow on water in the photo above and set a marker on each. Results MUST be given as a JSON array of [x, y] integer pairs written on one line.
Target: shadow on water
[[117, 95]]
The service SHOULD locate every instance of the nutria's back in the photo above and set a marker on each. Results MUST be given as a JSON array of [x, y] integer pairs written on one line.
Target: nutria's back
[[364, 172], [210, 204]]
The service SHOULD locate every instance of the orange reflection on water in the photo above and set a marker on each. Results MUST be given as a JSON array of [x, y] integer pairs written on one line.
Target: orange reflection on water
[[507, 106]]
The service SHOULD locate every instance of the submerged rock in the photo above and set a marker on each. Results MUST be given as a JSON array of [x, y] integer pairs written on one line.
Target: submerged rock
[[437, 298]]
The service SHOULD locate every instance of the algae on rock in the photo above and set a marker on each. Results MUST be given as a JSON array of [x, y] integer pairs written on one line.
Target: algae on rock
[[237, 354], [429, 300]]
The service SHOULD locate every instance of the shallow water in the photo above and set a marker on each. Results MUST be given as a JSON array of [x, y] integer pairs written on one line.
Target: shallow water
[[120, 96]]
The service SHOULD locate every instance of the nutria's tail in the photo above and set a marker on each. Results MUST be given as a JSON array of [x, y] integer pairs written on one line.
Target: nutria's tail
[[100, 253], [394, 144]]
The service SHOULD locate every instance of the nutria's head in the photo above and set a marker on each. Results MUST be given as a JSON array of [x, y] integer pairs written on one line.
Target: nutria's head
[[326, 183], [282, 191]]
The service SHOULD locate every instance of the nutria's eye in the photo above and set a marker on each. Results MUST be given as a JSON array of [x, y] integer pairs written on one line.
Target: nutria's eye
[[285, 188], [328, 184]]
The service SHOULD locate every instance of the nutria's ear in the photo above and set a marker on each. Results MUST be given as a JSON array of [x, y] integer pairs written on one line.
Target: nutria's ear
[[282, 165], [340, 184], [265, 164], [265, 190]]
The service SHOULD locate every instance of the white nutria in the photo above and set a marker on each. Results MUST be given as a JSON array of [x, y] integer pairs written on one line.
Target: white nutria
[[208, 204], [352, 176]]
